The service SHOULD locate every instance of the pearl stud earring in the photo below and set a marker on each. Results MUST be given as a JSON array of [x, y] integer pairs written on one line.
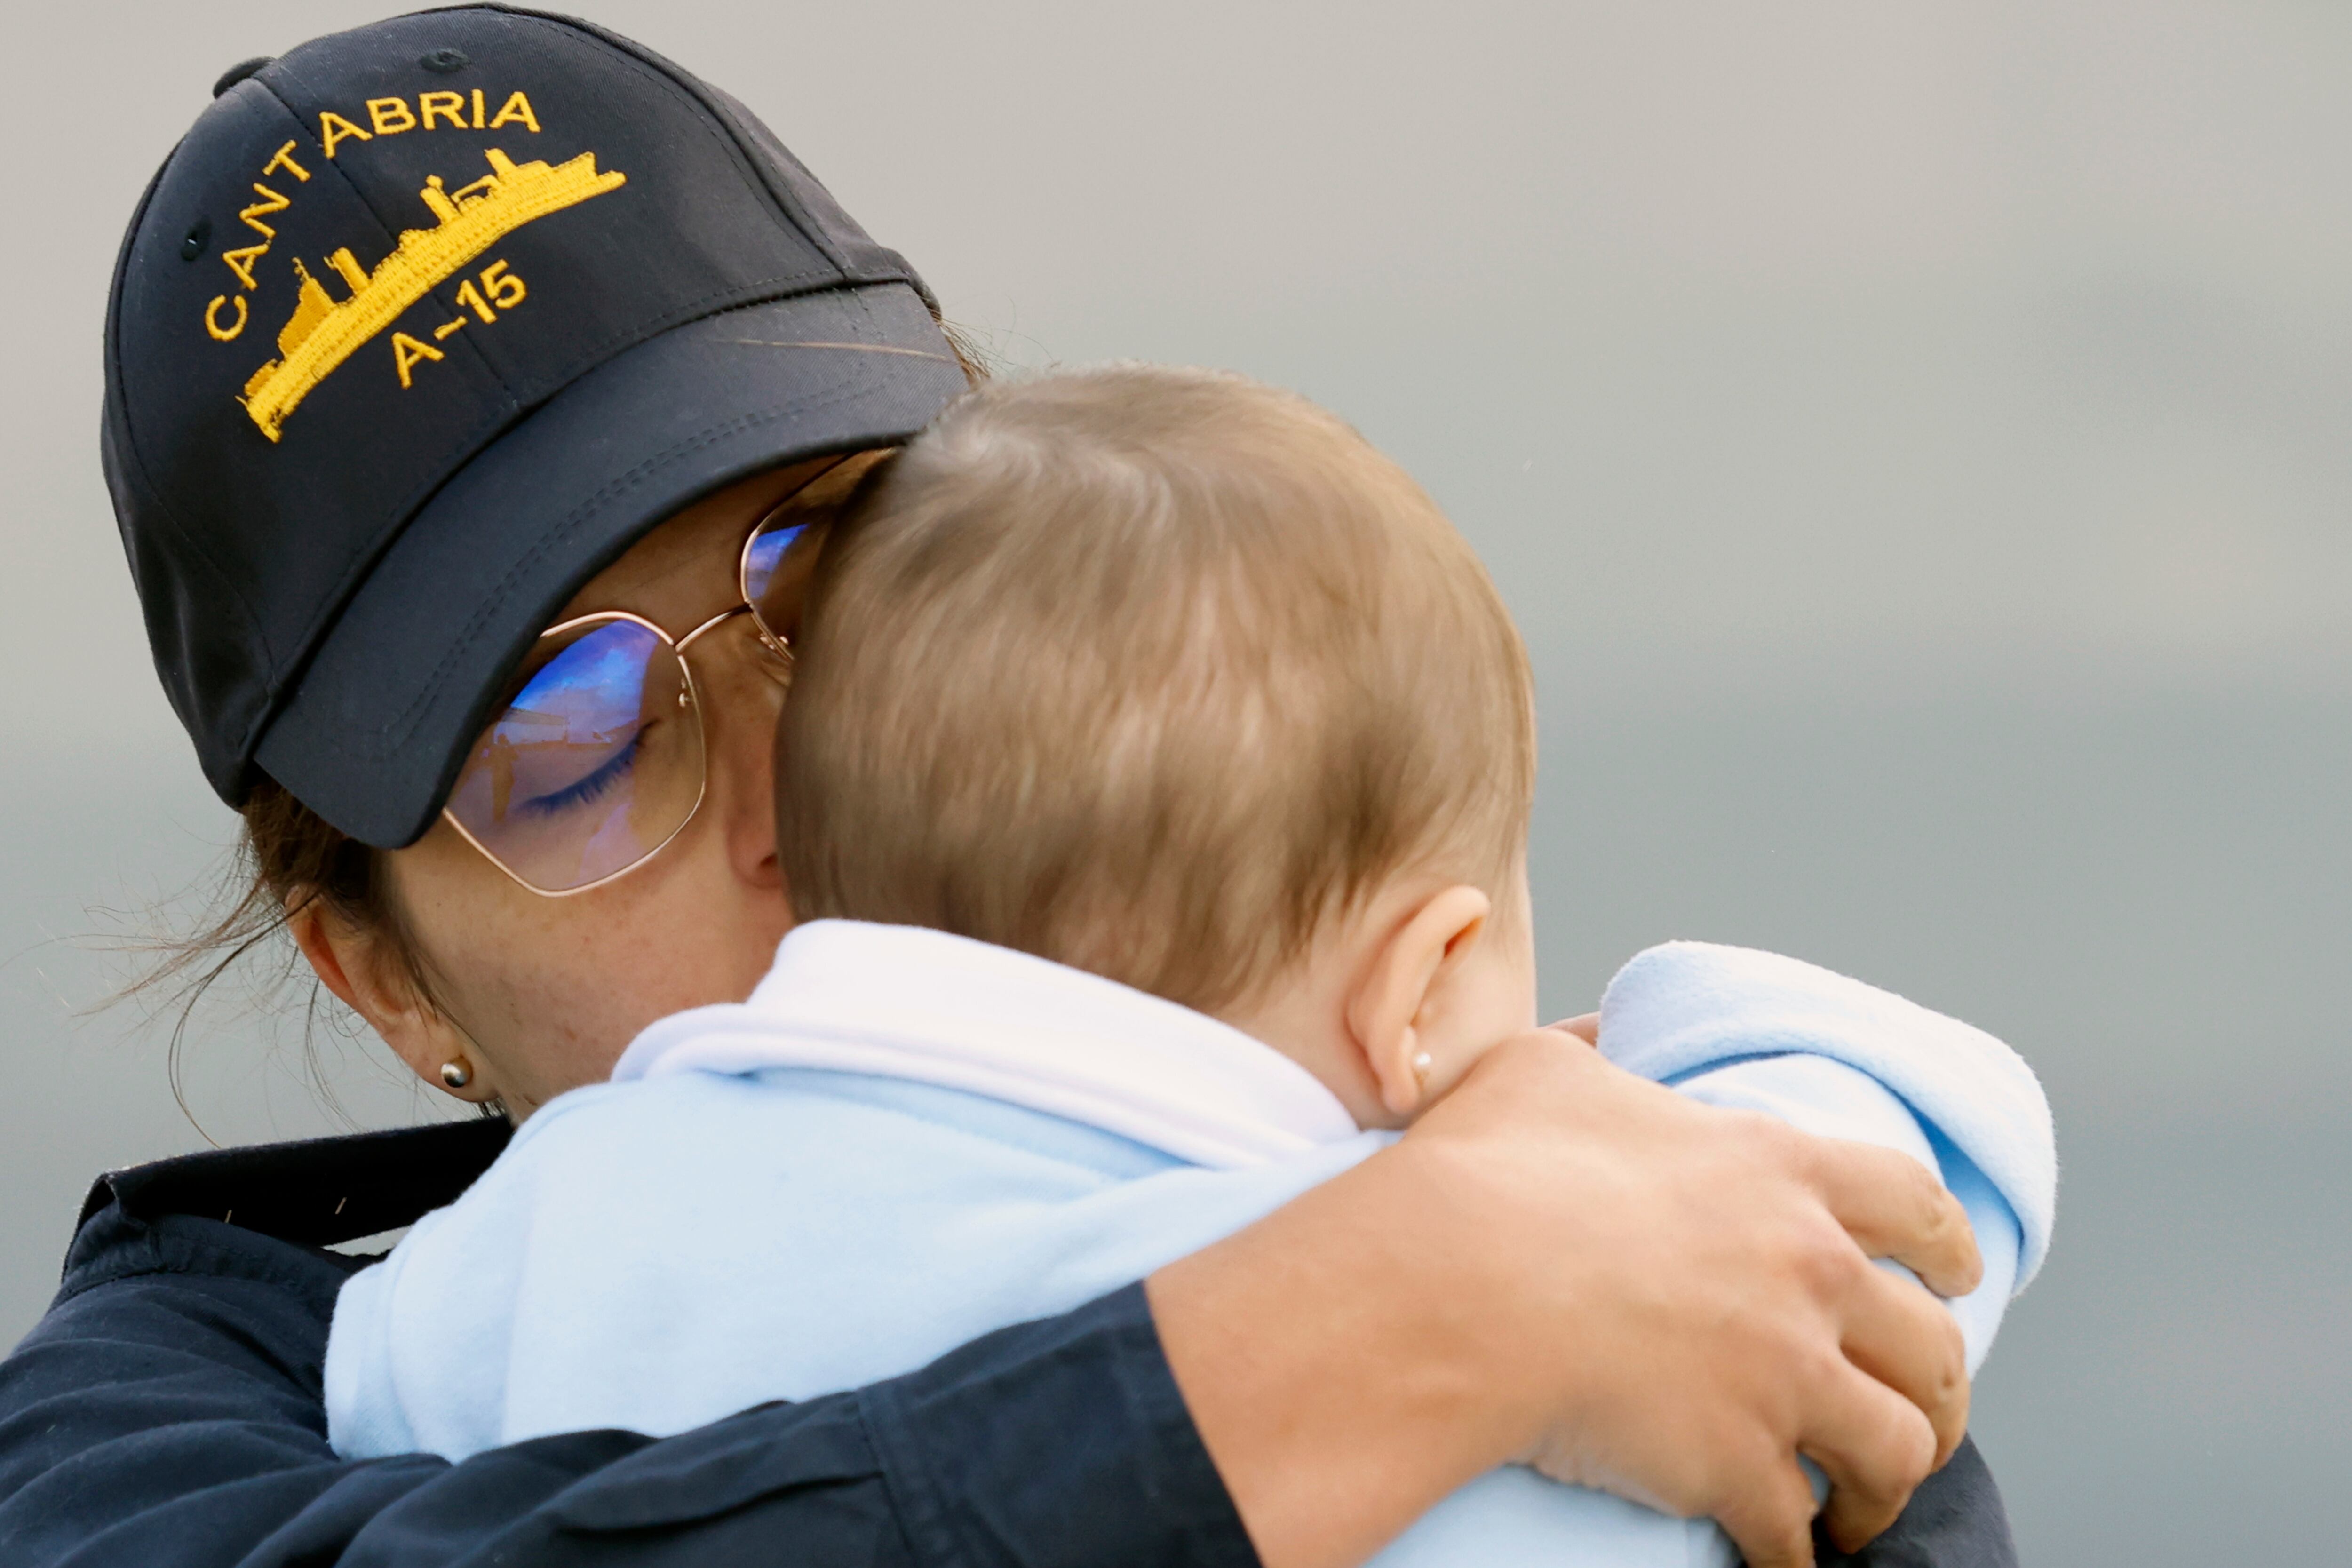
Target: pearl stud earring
[[455, 1075]]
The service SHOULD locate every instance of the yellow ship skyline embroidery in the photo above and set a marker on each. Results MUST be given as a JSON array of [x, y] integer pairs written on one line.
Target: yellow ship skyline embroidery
[[322, 333]]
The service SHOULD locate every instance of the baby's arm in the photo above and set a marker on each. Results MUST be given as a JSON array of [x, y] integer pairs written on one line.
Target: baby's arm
[[1752, 1031], [1757, 1031], [1829, 1099]]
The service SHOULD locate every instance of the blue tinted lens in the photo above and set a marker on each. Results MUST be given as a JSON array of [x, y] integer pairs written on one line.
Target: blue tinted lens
[[762, 556], [595, 764], [583, 709]]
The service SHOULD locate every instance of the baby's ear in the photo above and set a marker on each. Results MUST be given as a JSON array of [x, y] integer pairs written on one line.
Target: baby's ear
[[1391, 1007]]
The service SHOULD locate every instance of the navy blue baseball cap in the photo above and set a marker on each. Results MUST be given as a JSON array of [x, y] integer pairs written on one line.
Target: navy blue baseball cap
[[422, 325]]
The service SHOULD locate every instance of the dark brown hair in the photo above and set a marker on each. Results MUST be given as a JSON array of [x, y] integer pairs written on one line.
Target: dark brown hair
[[288, 860]]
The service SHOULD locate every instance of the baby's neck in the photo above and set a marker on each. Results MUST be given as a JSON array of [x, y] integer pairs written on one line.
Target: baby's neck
[[1392, 1004], [1296, 1019]]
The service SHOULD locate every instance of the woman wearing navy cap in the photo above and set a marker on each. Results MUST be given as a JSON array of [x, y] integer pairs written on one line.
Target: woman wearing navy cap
[[478, 387]]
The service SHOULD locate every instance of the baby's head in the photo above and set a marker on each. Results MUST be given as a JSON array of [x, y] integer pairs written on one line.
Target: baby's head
[[1169, 675]]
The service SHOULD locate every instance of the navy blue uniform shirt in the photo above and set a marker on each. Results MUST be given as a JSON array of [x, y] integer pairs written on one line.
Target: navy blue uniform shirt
[[166, 1413]]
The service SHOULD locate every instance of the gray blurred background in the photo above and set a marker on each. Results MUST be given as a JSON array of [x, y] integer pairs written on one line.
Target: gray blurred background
[[1914, 440]]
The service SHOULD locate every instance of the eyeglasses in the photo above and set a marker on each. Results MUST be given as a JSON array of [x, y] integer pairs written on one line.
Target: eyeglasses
[[598, 761]]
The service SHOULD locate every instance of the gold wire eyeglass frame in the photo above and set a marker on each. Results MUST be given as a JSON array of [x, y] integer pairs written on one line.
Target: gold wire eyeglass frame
[[777, 666]]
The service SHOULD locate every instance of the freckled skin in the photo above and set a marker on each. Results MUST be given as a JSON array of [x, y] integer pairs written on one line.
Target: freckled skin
[[544, 994]]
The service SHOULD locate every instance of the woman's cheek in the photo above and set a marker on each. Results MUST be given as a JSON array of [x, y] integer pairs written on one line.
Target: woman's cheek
[[552, 991]]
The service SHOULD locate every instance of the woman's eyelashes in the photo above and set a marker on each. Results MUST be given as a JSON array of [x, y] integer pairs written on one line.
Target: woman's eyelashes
[[582, 791]]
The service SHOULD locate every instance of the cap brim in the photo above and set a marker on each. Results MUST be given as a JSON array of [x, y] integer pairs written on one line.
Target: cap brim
[[373, 736]]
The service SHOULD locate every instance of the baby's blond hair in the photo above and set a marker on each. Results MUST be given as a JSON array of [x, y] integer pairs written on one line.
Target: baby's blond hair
[[1151, 672]]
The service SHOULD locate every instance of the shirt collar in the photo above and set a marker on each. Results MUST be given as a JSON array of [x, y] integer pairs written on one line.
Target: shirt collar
[[908, 1002]]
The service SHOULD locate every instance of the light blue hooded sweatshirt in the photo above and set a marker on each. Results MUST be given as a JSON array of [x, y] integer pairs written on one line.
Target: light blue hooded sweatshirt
[[905, 1139]]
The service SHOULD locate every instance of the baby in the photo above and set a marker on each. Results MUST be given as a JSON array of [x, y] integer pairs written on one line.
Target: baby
[[1153, 795]]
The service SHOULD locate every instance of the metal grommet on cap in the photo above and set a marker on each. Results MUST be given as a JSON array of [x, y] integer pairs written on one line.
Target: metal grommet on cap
[[444, 61], [198, 238], [239, 71]]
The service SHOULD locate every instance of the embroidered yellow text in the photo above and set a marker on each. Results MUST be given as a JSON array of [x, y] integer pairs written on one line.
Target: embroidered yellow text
[[406, 350], [516, 112], [284, 159], [240, 261], [323, 333], [386, 117], [448, 105], [390, 116], [213, 321], [494, 282], [334, 128], [271, 202], [433, 111], [501, 285]]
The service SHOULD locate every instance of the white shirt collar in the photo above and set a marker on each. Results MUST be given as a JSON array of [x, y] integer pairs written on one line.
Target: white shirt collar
[[908, 1002]]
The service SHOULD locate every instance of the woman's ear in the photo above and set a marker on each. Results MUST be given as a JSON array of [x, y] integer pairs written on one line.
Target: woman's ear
[[366, 976], [1391, 1008]]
